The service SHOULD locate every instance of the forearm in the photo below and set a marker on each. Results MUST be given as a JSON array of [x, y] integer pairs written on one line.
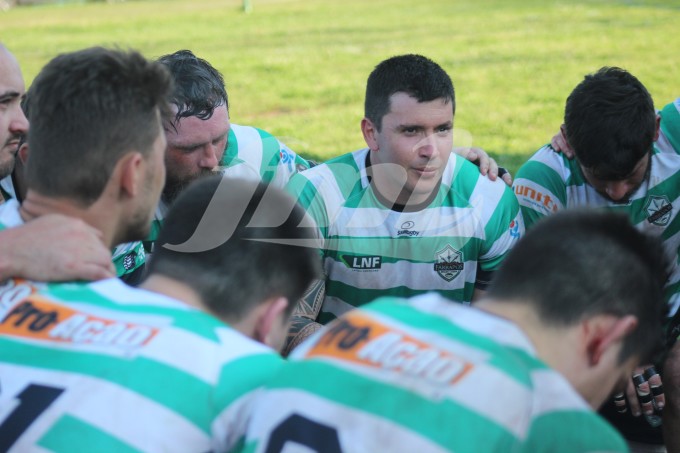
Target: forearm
[[12, 260], [303, 320]]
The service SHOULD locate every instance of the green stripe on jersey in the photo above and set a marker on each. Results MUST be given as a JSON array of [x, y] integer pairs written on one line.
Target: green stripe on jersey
[[118, 370], [439, 248], [444, 421], [573, 431], [653, 209], [415, 318], [89, 439], [670, 125], [198, 322]]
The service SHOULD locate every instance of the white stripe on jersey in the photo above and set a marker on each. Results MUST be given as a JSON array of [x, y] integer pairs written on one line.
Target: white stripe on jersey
[[337, 307], [249, 140], [233, 420], [392, 275], [554, 393], [358, 431], [100, 409], [498, 329]]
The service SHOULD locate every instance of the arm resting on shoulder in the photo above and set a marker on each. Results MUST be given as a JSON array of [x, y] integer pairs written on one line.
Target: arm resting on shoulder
[[54, 248]]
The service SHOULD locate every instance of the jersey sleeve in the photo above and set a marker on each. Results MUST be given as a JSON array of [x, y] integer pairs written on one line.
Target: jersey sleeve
[[307, 195], [540, 186], [669, 139], [502, 230], [263, 153]]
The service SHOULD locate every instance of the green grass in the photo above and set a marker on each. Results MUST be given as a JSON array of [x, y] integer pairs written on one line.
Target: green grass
[[297, 68]]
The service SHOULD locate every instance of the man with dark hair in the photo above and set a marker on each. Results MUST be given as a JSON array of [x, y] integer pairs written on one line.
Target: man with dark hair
[[201, 139], [403, 216], [621, 165], [572, 310], [112, 358], [54, 246]]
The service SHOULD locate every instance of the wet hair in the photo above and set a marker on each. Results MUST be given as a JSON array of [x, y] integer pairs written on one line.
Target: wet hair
[[199, 87]]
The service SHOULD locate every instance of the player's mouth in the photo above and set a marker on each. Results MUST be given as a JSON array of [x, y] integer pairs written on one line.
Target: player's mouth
[[427, 172]]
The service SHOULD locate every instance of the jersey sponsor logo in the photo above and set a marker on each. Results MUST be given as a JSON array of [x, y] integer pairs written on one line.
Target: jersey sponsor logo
[[406, 229], [514, 229], [529, 196], [12, 292], [38, 318], [448, 263], [659, 209], [287, 158], [358, 339], [360, 262]]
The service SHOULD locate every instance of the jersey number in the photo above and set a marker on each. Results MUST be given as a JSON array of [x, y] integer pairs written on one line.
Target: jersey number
[[303, 431], [34, 399]]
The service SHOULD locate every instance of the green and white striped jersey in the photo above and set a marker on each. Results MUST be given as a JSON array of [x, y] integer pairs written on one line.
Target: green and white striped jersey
[[106, 367], [256, 154], [370, 250], [128, 258], [423, 375], [550, 182], [251, 154]]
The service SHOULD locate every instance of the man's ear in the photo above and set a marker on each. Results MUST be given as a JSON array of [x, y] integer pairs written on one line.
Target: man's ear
[[370, 134], [23, 153], [130, 171], [563, 133], [658, 126], [605, 331], [270, 317]]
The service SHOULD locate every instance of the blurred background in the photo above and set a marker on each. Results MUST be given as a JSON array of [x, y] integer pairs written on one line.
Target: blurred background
[[297, 68]]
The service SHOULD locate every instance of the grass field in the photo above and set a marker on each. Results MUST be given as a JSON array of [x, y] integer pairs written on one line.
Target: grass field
[[297, 68]]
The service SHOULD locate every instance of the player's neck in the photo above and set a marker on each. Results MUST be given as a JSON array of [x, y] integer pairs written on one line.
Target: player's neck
[[172, 288], [550, 342], [36, 205]]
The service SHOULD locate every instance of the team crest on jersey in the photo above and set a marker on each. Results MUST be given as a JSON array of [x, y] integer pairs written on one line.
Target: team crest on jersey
[[448, 263], [659, 210], [130, 260]]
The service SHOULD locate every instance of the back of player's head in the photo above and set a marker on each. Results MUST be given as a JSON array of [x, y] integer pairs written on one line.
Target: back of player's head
[[87, 110], [578, 264], [199, 87], [262, 258], [415, 75], [610, 123]]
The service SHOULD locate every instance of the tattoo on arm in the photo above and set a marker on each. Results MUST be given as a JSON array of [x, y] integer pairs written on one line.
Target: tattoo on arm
[[303, 319]]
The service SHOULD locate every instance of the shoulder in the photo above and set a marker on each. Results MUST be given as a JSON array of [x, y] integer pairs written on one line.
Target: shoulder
[[546, 162], [9, 214], [339, 175]]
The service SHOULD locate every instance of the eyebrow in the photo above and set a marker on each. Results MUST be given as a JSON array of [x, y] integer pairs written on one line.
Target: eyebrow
[[198, 144], [10, 95], [420, 127]]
